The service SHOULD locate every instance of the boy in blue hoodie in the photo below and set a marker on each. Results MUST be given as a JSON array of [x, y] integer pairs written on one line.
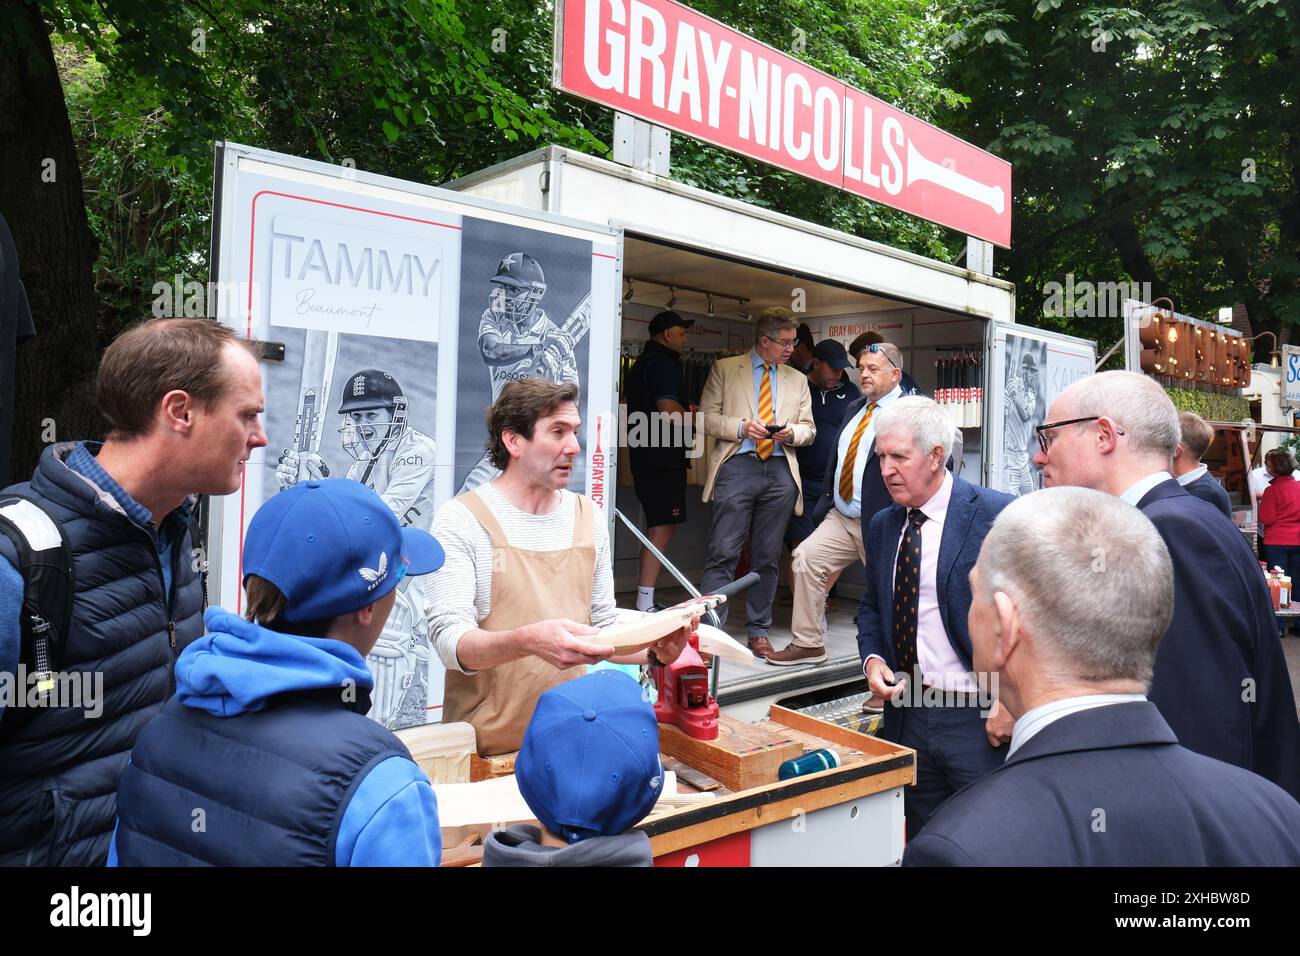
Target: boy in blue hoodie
[[265, 756]]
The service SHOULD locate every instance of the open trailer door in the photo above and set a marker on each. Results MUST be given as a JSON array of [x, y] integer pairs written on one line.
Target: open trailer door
[[1027, 369]]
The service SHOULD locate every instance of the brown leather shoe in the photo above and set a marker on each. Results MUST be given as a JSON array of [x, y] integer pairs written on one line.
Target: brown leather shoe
[[760, 647], [875, 704], [791, 654]]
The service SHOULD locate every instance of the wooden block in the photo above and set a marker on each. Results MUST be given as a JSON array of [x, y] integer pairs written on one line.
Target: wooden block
[[828, 731], [742, 756], [442, 751], [486, 768], [689, 775]]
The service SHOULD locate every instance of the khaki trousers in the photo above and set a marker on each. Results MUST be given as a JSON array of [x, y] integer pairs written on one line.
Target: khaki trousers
[[835, 545]]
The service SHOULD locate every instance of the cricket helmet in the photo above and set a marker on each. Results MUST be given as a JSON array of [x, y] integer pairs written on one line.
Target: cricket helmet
[[518, 286], [367, 389]]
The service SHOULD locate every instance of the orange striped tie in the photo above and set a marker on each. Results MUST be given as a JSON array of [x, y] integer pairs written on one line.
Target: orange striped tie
[[850, 456], [764, 447]]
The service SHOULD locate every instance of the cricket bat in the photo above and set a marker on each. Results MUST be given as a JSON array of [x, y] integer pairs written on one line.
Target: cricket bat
[[574, 327], [319, 352], [635, 630]]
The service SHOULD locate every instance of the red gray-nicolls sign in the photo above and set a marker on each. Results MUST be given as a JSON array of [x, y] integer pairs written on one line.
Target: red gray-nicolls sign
[[674, 67]]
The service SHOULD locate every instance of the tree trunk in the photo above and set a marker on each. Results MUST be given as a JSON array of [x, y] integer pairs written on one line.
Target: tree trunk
[[1128, 244], [41, 197]]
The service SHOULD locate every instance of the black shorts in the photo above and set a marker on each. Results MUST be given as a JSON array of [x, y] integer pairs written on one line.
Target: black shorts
[[662, 495]]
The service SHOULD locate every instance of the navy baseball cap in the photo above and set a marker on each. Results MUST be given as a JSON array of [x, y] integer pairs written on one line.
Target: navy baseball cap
[[666, 320], [589, 765], [832, 353], [333, 547]]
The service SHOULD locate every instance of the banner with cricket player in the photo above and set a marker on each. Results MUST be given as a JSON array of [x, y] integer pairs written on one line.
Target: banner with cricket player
[[1029, 369], [365, 285]]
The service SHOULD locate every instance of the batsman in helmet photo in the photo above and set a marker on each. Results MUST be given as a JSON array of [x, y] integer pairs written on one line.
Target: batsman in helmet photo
[[1023, 408], [395, 460], [518, 340]]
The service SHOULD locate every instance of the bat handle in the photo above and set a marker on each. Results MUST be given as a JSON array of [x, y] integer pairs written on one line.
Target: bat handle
[[738, 586]]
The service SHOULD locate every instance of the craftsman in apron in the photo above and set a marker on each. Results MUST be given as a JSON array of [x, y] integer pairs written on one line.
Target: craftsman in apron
[[527, 587]]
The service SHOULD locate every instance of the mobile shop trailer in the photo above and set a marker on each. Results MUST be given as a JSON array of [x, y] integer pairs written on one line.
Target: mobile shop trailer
[[368, 291], [721, 261]]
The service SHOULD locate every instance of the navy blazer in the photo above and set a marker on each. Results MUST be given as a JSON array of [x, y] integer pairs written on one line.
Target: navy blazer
[[971, 511], [1112, 787], [1207, 489], [1222, 645]]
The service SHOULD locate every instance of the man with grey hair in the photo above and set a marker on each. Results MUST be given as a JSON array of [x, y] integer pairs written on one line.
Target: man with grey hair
[[753, 407], [1220, 677], [912, 619], [1071, 595]]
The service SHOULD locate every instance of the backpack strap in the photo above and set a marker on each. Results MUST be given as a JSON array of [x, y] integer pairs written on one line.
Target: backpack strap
[[45, 562]]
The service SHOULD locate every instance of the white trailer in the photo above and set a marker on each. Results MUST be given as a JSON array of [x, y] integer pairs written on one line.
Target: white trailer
[[721, 261]]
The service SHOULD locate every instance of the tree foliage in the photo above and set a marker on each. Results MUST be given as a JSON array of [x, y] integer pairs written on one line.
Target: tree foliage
[[1157, 142], [426, 90]]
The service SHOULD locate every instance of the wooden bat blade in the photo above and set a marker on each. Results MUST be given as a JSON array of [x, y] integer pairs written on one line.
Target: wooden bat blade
[[635, 630]]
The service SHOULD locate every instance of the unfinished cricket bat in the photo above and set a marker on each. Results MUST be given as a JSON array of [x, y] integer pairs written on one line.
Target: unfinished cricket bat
[[632, 635]]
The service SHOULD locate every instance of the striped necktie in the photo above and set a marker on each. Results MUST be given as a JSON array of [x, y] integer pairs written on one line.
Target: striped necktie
[[907, 597], [850, 456], [764, 447]]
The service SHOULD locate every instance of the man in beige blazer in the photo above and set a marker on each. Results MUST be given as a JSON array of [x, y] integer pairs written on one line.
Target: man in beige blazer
[[753, 483]]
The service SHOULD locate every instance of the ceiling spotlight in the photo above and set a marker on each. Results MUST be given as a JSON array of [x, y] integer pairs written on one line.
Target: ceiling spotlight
[[672, 299], [710, 299], [627, 296]]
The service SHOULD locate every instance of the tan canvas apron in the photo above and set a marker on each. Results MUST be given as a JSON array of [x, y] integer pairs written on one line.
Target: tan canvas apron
[[527, 587]]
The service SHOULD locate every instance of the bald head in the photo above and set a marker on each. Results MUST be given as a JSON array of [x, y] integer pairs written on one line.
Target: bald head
[[1088, 585], [1124, 428]]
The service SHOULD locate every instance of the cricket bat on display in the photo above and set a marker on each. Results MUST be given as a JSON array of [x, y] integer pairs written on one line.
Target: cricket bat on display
[[319, 352]]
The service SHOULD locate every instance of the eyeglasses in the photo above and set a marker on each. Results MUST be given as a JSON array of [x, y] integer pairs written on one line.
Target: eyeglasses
[[875, 349], [1041, 430], [786, 344]]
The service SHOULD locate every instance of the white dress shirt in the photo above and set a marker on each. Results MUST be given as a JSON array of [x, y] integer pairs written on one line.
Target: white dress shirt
[[1192, 475], [1032, 721], [1138, 491], [853, 509], [939, 663]]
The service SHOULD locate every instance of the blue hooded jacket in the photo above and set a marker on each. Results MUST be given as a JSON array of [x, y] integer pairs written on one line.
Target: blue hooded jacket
[[392, 817]]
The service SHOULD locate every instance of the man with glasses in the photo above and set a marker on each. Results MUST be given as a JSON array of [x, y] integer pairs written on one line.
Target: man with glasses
[[1220, 677], [754, 407], [853, 492]]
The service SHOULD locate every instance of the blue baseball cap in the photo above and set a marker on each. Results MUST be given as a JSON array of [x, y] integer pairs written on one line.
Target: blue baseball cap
[[589, 765], [333, 547]]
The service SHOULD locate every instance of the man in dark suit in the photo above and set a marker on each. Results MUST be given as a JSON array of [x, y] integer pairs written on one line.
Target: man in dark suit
[[1094, 775], [1220, 677], [912, 619], [1195, 440]]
